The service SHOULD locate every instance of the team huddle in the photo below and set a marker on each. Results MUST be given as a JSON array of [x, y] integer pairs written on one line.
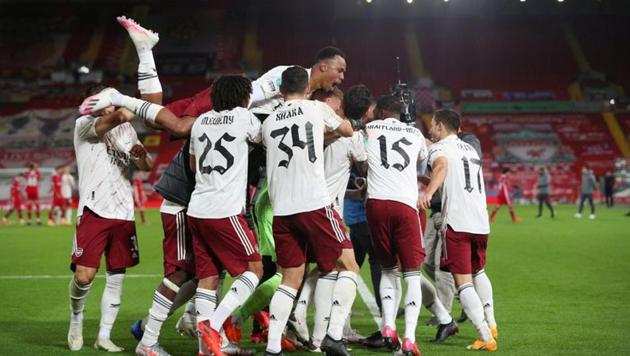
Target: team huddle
[[258, 191]]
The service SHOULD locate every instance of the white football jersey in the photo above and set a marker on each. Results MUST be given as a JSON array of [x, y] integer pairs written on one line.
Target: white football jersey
[[102, 164], [266, 91], [463, 191], [218, 140], [338, 158], [294, 137], [393, 150], [67, 184]]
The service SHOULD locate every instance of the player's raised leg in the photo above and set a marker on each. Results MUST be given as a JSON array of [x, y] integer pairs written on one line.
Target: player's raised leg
[[144, 40]]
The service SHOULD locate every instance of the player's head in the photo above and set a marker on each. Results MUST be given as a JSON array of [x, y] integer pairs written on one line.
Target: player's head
[[294, 81], [387, 106], [93, 90], [445, 122], [230, 91], [334, 98], [329, 68], [32, 166], [505, 170], [358, 103]]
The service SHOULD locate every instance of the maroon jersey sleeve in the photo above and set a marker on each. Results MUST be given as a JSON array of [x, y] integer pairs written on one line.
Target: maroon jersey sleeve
[[192, 106]]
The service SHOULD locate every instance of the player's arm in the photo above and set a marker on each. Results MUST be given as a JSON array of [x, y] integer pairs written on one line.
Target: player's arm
[[438, 175], [151, 113], [357, 194], [106, 123]]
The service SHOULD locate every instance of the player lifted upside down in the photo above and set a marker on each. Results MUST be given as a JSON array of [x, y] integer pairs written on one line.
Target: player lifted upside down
[[105, 145], [303, 211], [175, 185], [456, 170]]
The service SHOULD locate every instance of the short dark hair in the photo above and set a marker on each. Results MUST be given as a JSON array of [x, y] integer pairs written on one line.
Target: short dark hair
[[230, 91], [94, 89], [357, 101], [389, 103], [449, 118], [322, 94], [294, 80], [329, 52]]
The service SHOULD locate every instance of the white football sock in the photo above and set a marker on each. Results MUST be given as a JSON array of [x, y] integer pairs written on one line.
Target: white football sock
[[279, 311], [157, 315], [388, 291], [433, 303], [323, 303], [473, 308], [413, 302], [110, 303], [484, 290], [78, 296], [69, 215], [239, 291], [343, 296], [148, 81], [205, 302], [304, 299]]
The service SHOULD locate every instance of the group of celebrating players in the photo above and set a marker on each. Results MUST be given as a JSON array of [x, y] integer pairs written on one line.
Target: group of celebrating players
[[257, 190]]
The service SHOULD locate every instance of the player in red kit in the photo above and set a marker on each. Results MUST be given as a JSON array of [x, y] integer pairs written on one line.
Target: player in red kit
[[15, 202], [58, 202], [32, 191], [139, 197], [504, 198]]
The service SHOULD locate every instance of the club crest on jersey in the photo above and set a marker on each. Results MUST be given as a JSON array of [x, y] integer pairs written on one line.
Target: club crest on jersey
[[78, 252]]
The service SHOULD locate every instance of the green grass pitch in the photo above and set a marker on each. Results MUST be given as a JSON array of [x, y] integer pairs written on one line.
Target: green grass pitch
[[561, 287]]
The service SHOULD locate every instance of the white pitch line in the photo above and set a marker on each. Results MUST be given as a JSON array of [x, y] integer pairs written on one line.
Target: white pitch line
[[69, 275], [369, 300]]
